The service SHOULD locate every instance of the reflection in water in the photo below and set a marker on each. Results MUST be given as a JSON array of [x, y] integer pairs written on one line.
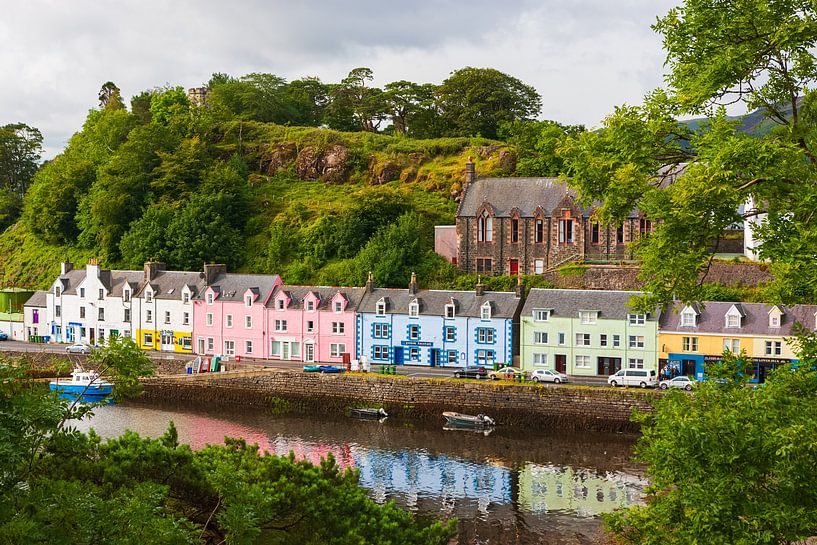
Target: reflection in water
[[505, 488]]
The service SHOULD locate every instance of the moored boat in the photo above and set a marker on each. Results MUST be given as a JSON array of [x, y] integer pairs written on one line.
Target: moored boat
[[468, 421], [312, 368], [88, 384], [368, 413]]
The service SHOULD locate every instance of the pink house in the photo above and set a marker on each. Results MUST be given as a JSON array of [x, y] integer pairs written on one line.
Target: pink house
[[311, 324], [229, 314]]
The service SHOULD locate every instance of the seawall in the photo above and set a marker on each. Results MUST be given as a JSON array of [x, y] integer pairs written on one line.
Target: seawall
[[520, 405]]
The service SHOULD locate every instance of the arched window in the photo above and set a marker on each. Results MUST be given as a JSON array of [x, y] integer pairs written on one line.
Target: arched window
[[485, 227]]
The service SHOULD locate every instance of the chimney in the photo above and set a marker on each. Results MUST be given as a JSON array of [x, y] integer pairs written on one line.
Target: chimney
[[151, 268], [520, 286], [470, 173], [370, 283], [92, 268], [480, 289], [413, 284], [212, 270], [66, 267]]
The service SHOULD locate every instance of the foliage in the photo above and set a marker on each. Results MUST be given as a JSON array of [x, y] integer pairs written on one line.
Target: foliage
[[536, 143], [20, 149], [730, 465]]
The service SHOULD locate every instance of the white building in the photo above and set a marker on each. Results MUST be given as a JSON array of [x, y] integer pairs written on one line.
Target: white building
[[34, 316], [750, 244]]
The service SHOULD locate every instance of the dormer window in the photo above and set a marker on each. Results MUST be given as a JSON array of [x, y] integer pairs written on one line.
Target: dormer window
[[126, 296], [148, 297], [732, 320], [637, 319], [775, 316], [101, 293], [414, 309], [485, 311], [688, 318], [381, 308], [57, 291], [185, 297], [210, 298], [248, 300], [588, 316], [82, 293], [541, 315], [280, 304], [450, 310], [310, 306], [338, 306]]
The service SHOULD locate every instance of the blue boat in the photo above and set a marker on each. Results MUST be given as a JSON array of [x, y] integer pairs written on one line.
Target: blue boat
[[331, 369], [83, 383]]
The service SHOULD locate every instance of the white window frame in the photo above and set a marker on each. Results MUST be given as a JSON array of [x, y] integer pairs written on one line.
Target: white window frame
[[538, 266], [588, 317], [208, 319], [310, 305], [338, 306], [414, 332], [148, 296], [688, 318], [635, 363], [637, 319], [280, 326], [229, 348], [540, 337], [616, 341], [414, 309], [380, 309], [228, 320], [185, 318], [485, 311], [338, 328], [582, 361], [541, 315], [540, 359], [485, 335], [210, 298], [336, 350], [167, 316], [562, 339], [247, 321], [248, 346], [450, 334], [689, 344], [603, 340], [149, 316], [310, 326], [583, 339], [147, 339], [636, 341], [450, 310], [732, 320], [733, 345], [248, 300]]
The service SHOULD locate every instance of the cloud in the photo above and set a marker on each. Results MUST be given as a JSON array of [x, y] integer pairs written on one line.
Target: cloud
[[584, 56]]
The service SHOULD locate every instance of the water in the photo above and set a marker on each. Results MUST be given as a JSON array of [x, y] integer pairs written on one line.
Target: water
[[509, 487]]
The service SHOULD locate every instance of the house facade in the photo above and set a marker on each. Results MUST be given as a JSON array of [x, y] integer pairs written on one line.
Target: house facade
[[516, 226], [435, 327], [34, 314], [586, 333], [691, 336], [312, 324]]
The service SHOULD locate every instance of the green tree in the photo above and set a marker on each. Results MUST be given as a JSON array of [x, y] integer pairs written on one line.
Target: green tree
[[147, 238], [536, 143], [394, 252], [20, 149], [366, 104], [110, 97], [474, 101], [407, 103], [308, 98]]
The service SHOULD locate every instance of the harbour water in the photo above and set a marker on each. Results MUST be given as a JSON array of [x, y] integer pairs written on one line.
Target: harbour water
[[511, 486]]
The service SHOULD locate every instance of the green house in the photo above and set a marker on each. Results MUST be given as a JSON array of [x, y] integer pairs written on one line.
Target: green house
[[586, 333]]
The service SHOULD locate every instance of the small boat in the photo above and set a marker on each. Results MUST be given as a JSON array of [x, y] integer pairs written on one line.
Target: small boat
[[312, 368], [460, 420], [88, 384], [331, 369], [368, 413]]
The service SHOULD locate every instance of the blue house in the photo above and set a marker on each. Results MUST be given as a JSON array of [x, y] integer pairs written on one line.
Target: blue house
[[436, 327]]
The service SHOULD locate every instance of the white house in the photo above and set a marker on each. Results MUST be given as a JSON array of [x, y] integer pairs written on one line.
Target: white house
[[34, 315]]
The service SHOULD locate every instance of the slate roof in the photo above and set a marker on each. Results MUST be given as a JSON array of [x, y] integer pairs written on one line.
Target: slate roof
[[232, 286], [611, 305], [712, 319], [432, 302], [324, 293], [169, 284], [70, 281], [118, 279], [37, 299]]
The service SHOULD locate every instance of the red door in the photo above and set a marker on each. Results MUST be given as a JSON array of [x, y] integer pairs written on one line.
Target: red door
[[514, 267], [561, 363]]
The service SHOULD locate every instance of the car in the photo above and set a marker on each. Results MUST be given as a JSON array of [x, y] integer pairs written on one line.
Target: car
[[633, 377], [548, 375], [4, 337], [678, 382], [474, 371], [78, 348], [506, 373]]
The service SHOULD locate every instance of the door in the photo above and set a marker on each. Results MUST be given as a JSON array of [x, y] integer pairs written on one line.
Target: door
[[201, 346], [435, 357], [514, 267], [167, 341], [561, 363], [309, 352], [398, 355], [608, 366], [91, 333], [284, 351]]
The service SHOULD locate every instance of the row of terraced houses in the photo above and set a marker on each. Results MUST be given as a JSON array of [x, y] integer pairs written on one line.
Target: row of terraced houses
[[578, 332]]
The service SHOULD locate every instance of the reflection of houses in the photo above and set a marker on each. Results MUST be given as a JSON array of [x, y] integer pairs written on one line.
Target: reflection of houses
[[530, 225], [582, 332], [435, 327], [693, 335]]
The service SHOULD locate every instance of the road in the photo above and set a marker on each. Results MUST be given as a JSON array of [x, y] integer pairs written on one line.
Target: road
[[407, 370]]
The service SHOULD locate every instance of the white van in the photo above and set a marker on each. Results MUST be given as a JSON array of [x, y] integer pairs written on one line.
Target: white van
[[634, 377]]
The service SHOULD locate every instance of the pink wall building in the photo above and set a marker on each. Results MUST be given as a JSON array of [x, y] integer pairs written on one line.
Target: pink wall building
[[312, 324]]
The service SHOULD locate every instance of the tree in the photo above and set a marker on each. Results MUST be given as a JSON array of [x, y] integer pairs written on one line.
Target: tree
[[367, 104], [730, 465], [536, 143], [308, 98], [474, 101], [110, 97], [756, 52], [20, 149], [408, 103], [394, 252], [147, 240]]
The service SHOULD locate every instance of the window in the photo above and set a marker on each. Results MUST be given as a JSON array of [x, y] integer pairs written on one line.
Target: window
[[210, 344], [248, 347], [733, 345], [248, 321], [635, 363], [147, 339], [594, 233], [209, 318], [57, 291], [338, 306], [450, 334], [101, 314], [582, 361], [616, 341], [637, 319], [127, 315], [644, 226], [185, 318], [82, 312], [636, 341], [774, 348], [561, 339], [485, 335], [539, 231], [485, 358], [380, 352], [186, 342], [540, 359], [485, 311], [336, 350], [732, 320], [484, 264], [452, 357], [101, 293], [148, 297], [248, 300], [603, 340], [414, 309], [380, 331], [229, 348], [540, 337], [540, 315], [566, 231], [485, 227], [167, 316], [514, 230], [414, 332], [620, 234], [582, 339], [414, 354], [280, 325], [228, 320], [381, 308], [148, 316], [126, 296], [450, 311], [588, 317], [310, 306], [209, 298], [280, 304], [689, 344], [275, 349], [185, 299], [687, 318], [82, 293], [774, 320], [338, 328], [310, 326], [539, 266]]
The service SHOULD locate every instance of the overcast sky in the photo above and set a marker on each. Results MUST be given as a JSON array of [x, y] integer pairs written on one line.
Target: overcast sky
[[583, 56]]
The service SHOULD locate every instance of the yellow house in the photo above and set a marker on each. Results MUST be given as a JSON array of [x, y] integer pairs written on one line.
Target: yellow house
[[691, 335]]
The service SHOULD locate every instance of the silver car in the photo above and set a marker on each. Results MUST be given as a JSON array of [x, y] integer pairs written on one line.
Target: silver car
[[546, 375], [678, 382], [78, 348]]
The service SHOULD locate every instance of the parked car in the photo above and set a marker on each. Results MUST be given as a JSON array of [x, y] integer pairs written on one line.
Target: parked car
[[633, 377], [547, 375], [506, 373], [678, 382], [4, 337], [78, 348], [473, 371]]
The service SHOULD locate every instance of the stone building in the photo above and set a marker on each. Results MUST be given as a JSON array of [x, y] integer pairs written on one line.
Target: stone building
[[531, 225]]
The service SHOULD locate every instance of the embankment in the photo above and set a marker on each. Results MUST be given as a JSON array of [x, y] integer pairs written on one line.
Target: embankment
[[523, 405]]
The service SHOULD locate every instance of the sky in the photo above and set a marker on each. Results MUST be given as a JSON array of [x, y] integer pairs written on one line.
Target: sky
[[584, 57]]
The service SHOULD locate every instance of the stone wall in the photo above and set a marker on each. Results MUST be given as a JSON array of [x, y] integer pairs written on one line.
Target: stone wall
[[522, 405]]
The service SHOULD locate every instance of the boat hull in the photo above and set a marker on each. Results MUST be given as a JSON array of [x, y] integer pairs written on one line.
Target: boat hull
[[368, 414], [94, 390], [458, 420]]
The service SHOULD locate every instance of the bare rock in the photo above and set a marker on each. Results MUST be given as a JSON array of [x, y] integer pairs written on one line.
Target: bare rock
[[308, 164], [486, 151], [507, 161], [335, 164]]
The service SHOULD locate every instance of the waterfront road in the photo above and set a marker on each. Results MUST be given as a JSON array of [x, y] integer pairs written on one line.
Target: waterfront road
[[409, 370]]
